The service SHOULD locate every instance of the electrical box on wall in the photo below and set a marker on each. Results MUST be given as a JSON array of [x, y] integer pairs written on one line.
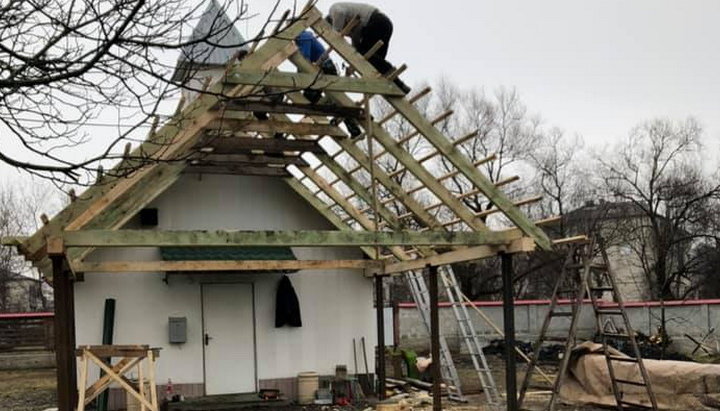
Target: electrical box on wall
[[177, 330]]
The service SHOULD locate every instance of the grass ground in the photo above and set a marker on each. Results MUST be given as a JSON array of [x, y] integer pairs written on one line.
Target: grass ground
[[27, 390]]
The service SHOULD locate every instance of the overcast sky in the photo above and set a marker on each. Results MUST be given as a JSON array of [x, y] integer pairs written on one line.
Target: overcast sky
[[590, 67]]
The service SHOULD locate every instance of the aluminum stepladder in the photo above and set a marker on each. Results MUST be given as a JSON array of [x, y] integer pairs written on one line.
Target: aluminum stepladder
[[591, 279], [421, 295], [469, 336]]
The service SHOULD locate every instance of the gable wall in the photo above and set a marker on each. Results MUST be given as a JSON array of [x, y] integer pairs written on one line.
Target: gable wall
[[336, 306]]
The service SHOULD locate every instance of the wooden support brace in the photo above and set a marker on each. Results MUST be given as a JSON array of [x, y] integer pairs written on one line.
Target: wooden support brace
[[327, 238]]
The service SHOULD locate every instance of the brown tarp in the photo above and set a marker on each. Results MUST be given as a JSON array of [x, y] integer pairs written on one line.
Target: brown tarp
[[678, 385]]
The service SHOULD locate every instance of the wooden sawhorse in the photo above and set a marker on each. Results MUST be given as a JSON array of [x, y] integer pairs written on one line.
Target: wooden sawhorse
[[131, 358]]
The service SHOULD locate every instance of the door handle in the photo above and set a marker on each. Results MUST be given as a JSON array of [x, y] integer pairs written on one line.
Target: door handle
[[207, 339]]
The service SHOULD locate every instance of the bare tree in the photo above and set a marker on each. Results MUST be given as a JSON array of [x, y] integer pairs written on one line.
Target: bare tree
[[71, 68], [657, 172], [560, 176], [20, 210]]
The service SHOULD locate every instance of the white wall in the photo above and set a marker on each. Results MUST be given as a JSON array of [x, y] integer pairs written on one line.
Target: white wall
[[336, 306]]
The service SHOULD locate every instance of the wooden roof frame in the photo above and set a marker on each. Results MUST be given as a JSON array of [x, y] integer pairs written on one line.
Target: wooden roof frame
[[111, 202]]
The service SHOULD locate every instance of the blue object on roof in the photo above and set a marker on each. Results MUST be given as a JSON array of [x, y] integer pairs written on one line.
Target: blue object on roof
[[309, 46]]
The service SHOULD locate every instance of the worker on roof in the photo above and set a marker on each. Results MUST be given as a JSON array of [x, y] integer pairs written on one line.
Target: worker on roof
[[311, 48], [373, 26]]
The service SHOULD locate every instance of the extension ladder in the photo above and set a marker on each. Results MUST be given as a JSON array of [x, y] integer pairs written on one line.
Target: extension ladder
[[421, 295], [594, 280]]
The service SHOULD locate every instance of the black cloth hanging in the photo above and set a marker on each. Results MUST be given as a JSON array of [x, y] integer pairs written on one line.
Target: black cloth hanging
[[287, 307]]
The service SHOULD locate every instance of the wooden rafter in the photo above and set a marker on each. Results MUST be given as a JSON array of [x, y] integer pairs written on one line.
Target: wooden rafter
[[99, 197], [240, 145], [441, 143], [301, 81], [325, 110]]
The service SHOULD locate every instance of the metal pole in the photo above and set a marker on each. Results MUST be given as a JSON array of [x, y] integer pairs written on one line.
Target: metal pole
[[64, 335], [509, 325], [379, 306], [435, 338]]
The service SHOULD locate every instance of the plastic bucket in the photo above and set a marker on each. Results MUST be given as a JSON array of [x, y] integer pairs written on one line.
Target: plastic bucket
[[308, 383]]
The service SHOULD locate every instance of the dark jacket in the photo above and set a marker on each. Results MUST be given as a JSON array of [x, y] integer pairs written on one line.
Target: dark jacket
[[287, 307]]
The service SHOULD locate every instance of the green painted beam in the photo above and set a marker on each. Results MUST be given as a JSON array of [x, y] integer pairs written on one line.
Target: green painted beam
[[201, 238], [301, 81]]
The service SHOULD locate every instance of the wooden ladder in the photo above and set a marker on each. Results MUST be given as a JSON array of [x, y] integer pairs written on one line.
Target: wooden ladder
[[579, 277]]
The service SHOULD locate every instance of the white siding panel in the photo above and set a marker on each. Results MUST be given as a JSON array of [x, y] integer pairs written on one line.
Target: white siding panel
[[336, 306]]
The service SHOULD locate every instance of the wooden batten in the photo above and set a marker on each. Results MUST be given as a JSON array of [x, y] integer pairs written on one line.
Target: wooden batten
[[327, 110], [247, 159], [274, 126], [244, 145], [239, 170]]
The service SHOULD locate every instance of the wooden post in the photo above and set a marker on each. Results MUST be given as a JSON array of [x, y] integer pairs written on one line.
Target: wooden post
[[379, 307], [435, 338], [509, 323], [64, 327]]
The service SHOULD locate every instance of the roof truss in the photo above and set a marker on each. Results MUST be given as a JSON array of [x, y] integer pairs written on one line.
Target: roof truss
[[220, 122]]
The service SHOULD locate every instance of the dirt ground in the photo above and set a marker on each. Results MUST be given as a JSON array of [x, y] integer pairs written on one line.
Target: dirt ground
[[34, 390], [27, 390]]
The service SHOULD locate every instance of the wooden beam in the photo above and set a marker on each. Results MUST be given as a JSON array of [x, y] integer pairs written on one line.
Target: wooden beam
[[361, 158], [435, 137], [422, 174], [301, 81], [521, 245], [202, 238], [325, 110], [273, 126], [246, 159], [238, 145], [356, 186], [64, 333], [239, 169], [324, 210], [214, 265]]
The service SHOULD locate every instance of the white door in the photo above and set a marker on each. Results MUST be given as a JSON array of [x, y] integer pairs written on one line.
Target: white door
[[229, 338]]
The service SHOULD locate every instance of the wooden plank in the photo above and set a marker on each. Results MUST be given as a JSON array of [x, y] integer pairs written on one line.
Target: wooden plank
[[214, 265], [301, 81], [217, 159], [325, 211], [435, 137], [269, 55], [272, 126], [240, 170], [357, 187], [220, 238], [342, 174], [521, 245], [237, 145], [351, 210], [361, 158], [325, 110]]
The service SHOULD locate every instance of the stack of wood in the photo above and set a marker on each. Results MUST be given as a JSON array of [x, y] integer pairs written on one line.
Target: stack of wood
[[406, 394]]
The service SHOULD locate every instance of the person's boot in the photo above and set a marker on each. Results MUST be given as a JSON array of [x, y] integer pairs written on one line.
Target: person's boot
[[313, 96], [353, 128], [404, 87]]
